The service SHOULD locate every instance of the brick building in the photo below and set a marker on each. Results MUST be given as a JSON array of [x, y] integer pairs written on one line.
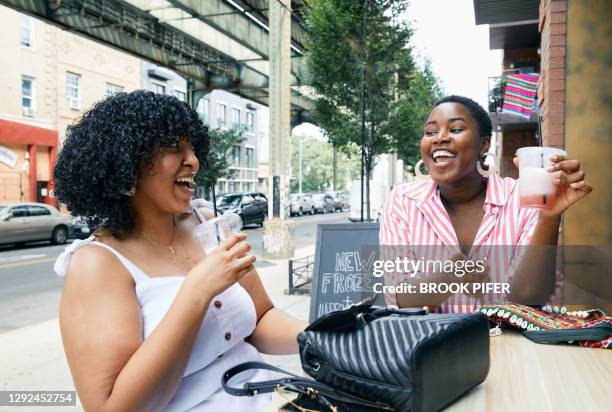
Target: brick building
[[49, 77], [568, 43]]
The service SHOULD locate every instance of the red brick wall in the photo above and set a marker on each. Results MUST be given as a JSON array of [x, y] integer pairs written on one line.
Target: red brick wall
[[551, 91]]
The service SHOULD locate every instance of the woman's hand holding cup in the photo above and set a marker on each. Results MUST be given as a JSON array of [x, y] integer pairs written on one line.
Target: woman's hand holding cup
[[568, 184], [223, 266]]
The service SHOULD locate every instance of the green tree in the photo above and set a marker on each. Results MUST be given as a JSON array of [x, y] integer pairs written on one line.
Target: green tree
[[317, 165], [345, 36], [218, 162], [408, 113]]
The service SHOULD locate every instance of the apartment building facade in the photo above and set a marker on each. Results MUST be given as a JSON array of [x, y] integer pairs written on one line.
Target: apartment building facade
[[223, 110], [162, 80], [50, 77]]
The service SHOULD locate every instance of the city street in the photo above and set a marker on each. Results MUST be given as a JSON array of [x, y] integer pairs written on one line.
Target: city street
[[31, 291]]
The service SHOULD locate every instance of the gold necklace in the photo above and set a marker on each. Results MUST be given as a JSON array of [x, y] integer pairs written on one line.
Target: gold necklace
[[173, 257]]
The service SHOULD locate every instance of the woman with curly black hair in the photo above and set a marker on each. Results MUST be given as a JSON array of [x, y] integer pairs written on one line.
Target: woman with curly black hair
[[148, 320]]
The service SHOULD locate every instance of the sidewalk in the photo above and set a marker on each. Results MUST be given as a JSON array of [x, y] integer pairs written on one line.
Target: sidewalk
[[276, 282], [32, 357]]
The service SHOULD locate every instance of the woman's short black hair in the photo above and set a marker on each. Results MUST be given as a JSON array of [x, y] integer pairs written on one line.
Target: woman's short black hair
[[105, 152], [478, 113]]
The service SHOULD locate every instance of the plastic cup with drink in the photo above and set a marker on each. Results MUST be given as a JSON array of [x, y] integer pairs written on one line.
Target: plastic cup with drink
[[536, 187], [214, 231]]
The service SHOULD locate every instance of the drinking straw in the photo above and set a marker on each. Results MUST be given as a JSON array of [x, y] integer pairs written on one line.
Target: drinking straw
[[540, 136], [540, 142]]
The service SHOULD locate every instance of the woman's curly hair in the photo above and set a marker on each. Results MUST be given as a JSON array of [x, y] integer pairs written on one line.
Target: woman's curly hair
[[105, 152]]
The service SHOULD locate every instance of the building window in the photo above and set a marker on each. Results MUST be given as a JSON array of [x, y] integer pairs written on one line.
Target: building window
[[236, 155], [113, 88], [181, 95], [26, 34], [233, 187], [221, 115], [203, 110], [73, 92], [235, 117], [250, 122], [73, 82], [250, 156], [158, 88], [27, 93]]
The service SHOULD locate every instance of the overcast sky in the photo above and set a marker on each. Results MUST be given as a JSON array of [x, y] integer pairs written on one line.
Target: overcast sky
[[445, 32]]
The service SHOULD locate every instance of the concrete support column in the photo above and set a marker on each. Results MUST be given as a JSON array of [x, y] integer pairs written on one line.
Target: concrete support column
[[195, 91], [280, 104], [278, 233]]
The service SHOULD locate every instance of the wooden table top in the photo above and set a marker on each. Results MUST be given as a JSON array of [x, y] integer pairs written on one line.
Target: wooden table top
[[527, 376]]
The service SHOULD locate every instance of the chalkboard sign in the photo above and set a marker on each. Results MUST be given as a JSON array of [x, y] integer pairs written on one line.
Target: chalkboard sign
[[344, 256]]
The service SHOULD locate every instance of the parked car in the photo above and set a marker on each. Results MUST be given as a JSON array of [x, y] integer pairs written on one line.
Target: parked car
[[260, 197], [300, 204], [323, 203], [24, 222], [341, 200], [252, 207]]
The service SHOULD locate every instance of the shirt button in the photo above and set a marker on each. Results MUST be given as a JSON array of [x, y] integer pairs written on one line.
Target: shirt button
[[218, 304], [228, 336]]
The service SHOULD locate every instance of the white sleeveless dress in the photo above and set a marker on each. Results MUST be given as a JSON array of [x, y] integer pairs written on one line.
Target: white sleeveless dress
[[219, 345]]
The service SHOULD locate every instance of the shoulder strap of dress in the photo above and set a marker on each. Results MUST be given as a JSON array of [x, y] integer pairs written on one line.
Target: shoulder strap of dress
[[63, 261]]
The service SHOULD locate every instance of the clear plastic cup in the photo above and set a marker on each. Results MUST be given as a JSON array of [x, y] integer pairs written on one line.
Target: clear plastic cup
[[229, 224], [207, 234], [211, 232], [536, 187]]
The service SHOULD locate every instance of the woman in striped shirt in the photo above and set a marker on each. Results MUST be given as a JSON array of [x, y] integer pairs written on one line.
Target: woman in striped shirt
[[463, 211]]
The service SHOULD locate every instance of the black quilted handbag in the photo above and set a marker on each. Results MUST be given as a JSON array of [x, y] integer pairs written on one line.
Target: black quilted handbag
[[368, 358]]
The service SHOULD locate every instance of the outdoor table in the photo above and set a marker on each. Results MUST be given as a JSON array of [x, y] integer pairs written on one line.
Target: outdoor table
[[527, 376]]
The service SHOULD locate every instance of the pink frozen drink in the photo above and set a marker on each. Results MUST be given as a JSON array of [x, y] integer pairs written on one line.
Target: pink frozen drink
[[536, 187]]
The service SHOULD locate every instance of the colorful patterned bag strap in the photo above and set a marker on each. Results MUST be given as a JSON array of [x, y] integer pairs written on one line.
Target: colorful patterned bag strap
[[591, 328]]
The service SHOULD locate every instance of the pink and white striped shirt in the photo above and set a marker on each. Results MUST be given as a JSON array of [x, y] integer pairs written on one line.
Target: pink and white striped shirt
[[414, 217]]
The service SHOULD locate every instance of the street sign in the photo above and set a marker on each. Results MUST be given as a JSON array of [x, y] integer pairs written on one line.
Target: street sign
[[344, 256]]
